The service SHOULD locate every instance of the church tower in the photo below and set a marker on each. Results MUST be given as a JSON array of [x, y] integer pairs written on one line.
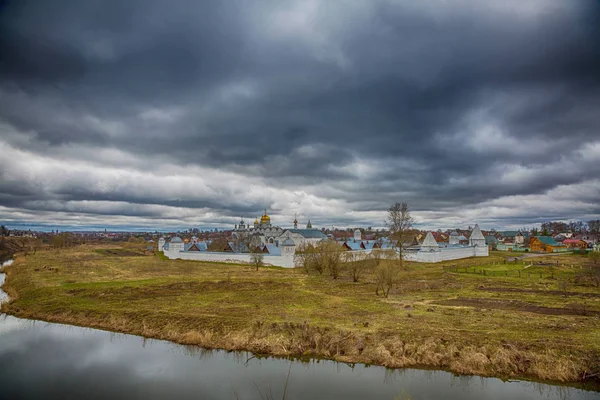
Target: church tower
[[295, 221]]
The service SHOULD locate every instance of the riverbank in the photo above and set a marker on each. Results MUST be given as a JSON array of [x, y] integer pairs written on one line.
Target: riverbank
[[504, 326]]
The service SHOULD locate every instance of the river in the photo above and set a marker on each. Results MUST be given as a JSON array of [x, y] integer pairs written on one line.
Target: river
[[40, 360]]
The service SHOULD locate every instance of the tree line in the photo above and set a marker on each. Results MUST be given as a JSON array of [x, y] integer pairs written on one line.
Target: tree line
[[548, 227]]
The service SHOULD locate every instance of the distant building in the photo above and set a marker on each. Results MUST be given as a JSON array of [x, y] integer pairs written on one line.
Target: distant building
[[491, 242], [262, 230], [546, 244], [575, 243]]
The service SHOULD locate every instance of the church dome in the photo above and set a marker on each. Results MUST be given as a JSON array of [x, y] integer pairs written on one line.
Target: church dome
[[176, 239], [256, 221], [265, 219], [288, 242]]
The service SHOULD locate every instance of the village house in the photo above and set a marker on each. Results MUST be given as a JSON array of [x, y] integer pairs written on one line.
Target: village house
[[575, 243], [516, 237], [491, 241], [546, 244]]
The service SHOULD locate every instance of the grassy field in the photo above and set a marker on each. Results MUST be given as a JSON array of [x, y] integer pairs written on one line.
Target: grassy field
[[450, 315]]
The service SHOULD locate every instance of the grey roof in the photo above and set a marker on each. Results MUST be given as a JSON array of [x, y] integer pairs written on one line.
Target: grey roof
[[200, 245], [309, 233], [176, 239], [273, 249], [288, 242], [490, 239], [453, 233], [353, 245], [238, 247]]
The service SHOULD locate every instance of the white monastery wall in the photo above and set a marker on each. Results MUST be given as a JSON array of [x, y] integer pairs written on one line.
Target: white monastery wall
[[446, 254]]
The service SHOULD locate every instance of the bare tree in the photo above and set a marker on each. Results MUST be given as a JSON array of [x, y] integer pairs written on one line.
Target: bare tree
[[356, 263], [257, 259], [386, 273], [399, 221], [330, 253], [324, 256]]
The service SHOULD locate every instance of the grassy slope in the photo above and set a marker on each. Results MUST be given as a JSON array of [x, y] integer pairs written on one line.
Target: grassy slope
[[286, 312]]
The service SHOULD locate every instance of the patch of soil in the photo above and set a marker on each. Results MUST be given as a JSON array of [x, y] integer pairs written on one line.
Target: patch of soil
[[119, 253], [537, 291], [516, 305]]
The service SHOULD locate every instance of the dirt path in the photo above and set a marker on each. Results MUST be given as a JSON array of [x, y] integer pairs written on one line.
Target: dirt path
[[530, 255], [515, 305]]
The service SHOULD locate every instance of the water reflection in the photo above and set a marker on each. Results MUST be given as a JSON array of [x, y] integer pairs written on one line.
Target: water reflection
[[42, 360]]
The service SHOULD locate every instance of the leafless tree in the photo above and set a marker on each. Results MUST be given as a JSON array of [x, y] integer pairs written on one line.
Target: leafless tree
[[257, 259], [219, 244], [330, 254], [386, 273], [399, 221], [324, 256], [357, 263]]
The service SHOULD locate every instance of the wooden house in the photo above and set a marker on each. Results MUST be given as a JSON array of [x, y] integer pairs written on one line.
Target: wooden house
[[575, 243], [546, 244]]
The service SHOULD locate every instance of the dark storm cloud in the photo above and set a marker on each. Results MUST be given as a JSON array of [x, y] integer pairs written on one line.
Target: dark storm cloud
[[446, 106]]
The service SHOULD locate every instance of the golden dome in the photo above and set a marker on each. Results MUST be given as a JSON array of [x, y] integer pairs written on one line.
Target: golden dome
[[265, 218], [256, 221]]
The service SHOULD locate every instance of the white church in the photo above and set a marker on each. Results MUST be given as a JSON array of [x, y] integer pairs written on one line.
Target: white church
[[264, 233]]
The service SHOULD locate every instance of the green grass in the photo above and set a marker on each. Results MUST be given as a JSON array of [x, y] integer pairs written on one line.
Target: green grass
[[287, 312]]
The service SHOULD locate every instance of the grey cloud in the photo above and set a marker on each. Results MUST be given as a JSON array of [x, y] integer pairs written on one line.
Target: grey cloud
[[302, 102]]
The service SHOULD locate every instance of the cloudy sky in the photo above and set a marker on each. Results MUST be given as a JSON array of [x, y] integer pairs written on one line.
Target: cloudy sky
[[154, 114]]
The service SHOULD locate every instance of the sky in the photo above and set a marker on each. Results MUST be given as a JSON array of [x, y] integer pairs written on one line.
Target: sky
[[151, 115]]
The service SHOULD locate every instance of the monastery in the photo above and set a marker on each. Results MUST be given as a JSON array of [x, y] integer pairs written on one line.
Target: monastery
[[279, 245], [263, 233]]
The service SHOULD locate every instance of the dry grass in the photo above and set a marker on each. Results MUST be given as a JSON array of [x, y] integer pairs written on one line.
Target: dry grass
[[288, 313]]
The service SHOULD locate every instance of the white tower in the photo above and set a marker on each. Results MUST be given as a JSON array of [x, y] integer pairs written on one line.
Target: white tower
[[429, 244], [476, 238], [288, 247], [161, 243], [357, 235], [176, 244], [454, 238]]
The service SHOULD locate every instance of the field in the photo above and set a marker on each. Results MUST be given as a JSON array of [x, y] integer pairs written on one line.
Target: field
[[525, 319]]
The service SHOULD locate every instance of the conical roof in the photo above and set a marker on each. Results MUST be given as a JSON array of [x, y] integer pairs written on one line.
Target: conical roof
[[476, 233], [429, 241]]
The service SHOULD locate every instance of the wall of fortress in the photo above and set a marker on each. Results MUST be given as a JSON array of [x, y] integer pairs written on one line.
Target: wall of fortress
[[444, 254], [447, 254]]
